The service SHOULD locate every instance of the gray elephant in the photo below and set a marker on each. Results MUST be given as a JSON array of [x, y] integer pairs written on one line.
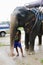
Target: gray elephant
[[30, 20]]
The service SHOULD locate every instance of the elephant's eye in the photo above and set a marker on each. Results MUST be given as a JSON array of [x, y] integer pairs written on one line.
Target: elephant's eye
[[26, 23]]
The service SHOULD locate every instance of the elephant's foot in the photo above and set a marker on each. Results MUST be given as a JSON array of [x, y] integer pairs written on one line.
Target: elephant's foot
[[39, 44], [31, 52], [11, 54], [27, 49]]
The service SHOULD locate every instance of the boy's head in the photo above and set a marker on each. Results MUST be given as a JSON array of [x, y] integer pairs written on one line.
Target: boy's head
[[18, 32]]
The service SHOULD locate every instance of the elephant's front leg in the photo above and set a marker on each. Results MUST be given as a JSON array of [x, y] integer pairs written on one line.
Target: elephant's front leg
[[26, 41], [31, 46]]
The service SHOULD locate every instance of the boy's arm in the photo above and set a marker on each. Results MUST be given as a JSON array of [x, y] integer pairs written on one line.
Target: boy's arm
[[20, 40]]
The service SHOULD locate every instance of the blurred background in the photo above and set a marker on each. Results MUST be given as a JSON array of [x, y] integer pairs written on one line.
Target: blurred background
[[7, 7]]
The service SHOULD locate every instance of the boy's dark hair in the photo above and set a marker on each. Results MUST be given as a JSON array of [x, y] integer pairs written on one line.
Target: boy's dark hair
[[19, 31]]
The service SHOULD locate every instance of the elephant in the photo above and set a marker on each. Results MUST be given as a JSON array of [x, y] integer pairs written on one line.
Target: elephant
[[30, 20]]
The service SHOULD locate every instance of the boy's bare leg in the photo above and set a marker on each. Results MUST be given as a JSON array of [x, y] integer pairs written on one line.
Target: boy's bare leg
[[22, 51], [17, 51]]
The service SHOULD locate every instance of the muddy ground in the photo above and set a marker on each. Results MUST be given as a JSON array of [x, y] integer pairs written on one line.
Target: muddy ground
[[35, 59]]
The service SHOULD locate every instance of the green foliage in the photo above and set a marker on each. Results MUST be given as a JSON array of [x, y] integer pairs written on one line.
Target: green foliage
[[42, 61], [3, 44]]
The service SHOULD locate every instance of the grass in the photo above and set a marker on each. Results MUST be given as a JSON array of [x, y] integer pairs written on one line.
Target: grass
[[3, 44], [41, 61]]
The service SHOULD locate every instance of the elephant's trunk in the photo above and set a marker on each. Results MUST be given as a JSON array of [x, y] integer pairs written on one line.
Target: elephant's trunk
[[13, 27]]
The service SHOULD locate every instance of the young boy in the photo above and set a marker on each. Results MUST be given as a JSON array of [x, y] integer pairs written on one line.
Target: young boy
[[17, 42]]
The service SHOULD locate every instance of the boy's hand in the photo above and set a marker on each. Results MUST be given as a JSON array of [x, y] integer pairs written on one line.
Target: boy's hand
[[20, 41]]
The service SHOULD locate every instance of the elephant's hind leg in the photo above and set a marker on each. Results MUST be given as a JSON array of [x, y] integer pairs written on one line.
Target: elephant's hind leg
[[40, 39], [26, 41]]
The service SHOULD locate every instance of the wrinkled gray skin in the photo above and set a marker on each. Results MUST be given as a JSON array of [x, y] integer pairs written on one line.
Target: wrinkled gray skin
[[21, 17]]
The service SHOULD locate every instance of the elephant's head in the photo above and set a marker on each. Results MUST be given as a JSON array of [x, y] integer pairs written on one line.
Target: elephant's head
[[21, 17]]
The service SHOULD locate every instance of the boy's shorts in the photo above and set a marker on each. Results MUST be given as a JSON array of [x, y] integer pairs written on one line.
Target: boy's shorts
[[17, 44]]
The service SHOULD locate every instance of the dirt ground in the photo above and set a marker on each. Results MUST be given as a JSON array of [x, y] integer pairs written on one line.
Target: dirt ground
[[35, 59], [5, 59]]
